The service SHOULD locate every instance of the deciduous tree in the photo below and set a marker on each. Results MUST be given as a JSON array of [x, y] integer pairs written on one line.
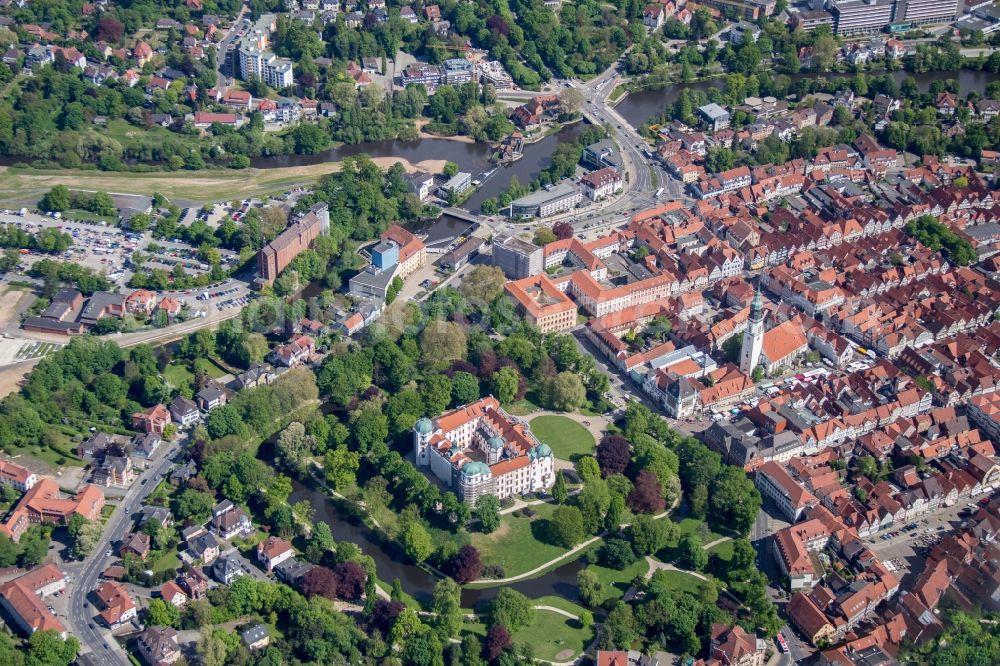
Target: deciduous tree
[[488, 513], [646, 496], [613, 454], [565, 528], [465, 565], [511, 609], [497, 641]]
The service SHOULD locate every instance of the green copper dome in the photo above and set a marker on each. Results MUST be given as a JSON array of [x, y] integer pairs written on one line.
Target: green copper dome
[[495, 442], [543, 450], [424, 426], [473, 468]]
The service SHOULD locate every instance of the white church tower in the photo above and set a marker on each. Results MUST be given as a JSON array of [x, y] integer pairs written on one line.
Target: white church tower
[[753, 337]]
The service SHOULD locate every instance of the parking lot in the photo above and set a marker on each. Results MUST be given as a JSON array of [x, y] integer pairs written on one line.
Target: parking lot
[[906, 547], [100, 248]]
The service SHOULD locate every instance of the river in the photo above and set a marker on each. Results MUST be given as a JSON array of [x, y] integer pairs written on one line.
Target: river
[[639, 107], [391, 563], [470, 157]]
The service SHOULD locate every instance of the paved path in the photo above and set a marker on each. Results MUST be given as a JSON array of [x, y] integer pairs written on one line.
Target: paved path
[[595, 425], [666, 566], [713, 544], [567, 555], [557, 611]]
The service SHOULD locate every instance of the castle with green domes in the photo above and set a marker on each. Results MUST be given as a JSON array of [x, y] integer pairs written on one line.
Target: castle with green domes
[[480, 449]]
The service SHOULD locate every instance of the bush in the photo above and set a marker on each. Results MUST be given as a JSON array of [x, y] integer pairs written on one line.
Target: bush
[[494, 571], [617, 554]]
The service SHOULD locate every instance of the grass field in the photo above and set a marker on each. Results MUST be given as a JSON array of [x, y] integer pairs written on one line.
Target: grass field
[[525, 405], [723, 551], [209, 368], [554, 637], [617, 93], [514, 545], [23, 183], [569, 440], [616, 583], [168, 561], [682, 582], [178, 375]]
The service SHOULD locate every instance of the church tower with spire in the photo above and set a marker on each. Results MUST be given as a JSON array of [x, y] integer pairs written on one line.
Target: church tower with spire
[[753, 336]]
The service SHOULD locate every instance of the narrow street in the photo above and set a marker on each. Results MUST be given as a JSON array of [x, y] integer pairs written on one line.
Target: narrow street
[[80, 618]]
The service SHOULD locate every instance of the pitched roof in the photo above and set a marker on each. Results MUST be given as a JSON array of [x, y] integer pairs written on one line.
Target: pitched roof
[[784, 340]]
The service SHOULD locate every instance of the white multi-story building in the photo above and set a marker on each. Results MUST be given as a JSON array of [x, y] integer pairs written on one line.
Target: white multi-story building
[[480, 449], [601, 183], [861, 17], [258, 62], [926, 12]]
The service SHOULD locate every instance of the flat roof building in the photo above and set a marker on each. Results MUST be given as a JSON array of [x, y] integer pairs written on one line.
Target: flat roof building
[[717, 117], [550, 201], [457, 184], [926, 12], [861, 17], [517, 258], [276, 255]]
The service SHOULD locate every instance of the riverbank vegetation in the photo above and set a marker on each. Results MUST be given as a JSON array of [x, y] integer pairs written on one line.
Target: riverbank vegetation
[[468, 109], [915, 127], [48, 119]]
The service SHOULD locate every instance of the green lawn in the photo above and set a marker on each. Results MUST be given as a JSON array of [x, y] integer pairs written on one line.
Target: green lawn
[[616, 583], [209, 368], [723, 551], [558, 602], [687, 526], [554, 637], [53, 457], [168, 561], [690, 526], [569, 440], [683, 582], [525, 405], [514, 546], [178, 375]]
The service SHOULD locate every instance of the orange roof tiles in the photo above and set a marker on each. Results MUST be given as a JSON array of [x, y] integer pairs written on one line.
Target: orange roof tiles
[[784, 340]]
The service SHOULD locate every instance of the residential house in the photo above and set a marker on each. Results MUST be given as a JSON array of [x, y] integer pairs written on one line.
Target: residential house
[[172, 593], [157, 646], [227, 569], [144, 445], [297, 351], [194, 584], [211, 396], [137, 544], [255, 636], [273, 551], [19, 477], [203, 548], [117, 606], [153, 420], [184, 411], [231, 523], [160, 514], [258, 374]]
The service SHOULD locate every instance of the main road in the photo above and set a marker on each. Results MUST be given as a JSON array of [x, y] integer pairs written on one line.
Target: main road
[[80, 615]]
